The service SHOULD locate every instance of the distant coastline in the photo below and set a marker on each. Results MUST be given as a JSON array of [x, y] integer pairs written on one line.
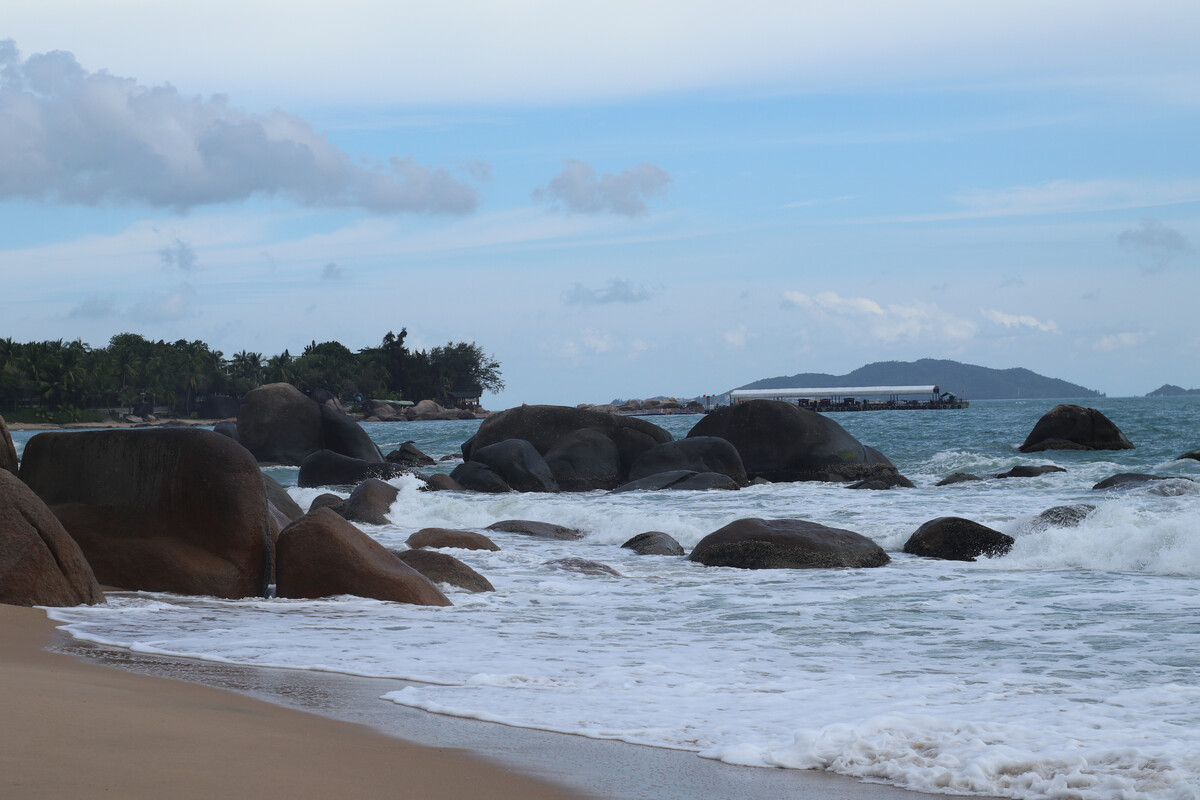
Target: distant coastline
[[1171, 390]]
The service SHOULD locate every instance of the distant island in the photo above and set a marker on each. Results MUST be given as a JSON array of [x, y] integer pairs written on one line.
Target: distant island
[[965, 380], [1171, 390]]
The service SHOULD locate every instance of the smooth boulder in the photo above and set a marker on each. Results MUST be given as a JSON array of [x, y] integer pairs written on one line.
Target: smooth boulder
[[958, 477], [1072, 427], [1029, 471], [957, 539], [654, 543], [542, 530], [1126, 480], [518, 463], [780, 441], [583, 566], [279, 424], [408, 455], [323, 555], [696, 453], [786, 544], [446, 537], [40, 564], [441, 568], [179, 510], [679, 480], [8, 450], [476, 477], [327, 468], [585, 460], [370, 502]]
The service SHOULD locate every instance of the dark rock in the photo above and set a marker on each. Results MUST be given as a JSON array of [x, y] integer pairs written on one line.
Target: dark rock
[[957, 477], [684, 480], [40, 564], [219, 406], [1061, 517], [476, 477], [441, 568], [1071, 427], [782, 442], [957, 539], [518, 463], [705, 481], [884, 482], [327, 468], [1027, 471], [654, 543], [278, 497], [8, 450], [323, 555], [343, 435], [440, 482], [1125, 480], [179, 510], [408, 455], [445, 537], [695, 453], [331, 501], [370, 502], [226, 428], [544, 530], [786, 544], [585, 460], [1194, 454], [279, 424], [582, 566]]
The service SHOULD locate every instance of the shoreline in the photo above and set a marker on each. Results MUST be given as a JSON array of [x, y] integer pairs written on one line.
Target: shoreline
[[573, 766]]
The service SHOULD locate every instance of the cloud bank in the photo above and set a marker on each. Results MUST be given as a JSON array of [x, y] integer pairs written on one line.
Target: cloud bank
[[92, 138], [579, 190]]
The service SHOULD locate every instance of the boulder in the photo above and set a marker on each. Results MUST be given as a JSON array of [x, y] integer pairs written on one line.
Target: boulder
[[323, 555], [280, 425], [585, 460], [40, 564], [783, 442], [445, 537], [545, 426], [1126, 480], [519, 464], [1061, 517], [583, 566], [8, 450], [226, 428], [476, 477], [786, 544], [887, 481], [542, 530], [958, 477], [409, 456], [179, 510], [440, 482], [429, 411], [370, 502], [279, 499], [957, 539], [1028, 471], [441, 568], [695, 453], [1194, 454], [684, 480], [327, 468], [333, 502], [654, 543], [1071, 427]]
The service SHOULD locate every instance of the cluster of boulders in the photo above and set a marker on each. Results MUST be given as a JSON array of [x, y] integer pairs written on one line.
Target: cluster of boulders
[[650, 406], [424, 411]]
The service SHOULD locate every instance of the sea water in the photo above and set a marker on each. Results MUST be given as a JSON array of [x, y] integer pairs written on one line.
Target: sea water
[[1069, 668]]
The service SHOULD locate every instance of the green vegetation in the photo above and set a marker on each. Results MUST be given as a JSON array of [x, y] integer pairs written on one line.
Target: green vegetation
[[57, 378]]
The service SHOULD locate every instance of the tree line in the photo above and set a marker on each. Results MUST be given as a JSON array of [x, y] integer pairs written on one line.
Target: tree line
[[132, 370]]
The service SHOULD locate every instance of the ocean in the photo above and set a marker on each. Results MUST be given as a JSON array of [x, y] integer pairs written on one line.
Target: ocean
[[1069, 668]]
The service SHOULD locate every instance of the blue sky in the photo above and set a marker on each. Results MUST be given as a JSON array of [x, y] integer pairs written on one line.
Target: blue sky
[[618, 199]]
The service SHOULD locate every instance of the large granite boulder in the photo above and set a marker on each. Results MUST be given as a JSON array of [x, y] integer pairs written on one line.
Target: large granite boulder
[[545, 427], [476, 477], [370, 502], [518, 463], [323, 555], [780, 441], [327, 468], [447, 537], [408, 455], [179, 510], [695, 453], [654, 543], [1071, 427], [786, 544], [585, 460], [279, 424], [8, 450], [441, 568], [957, 539], [40, 564], [278, 497]]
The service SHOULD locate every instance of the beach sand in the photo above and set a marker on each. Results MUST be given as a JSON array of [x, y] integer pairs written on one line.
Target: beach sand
[[75, 727]]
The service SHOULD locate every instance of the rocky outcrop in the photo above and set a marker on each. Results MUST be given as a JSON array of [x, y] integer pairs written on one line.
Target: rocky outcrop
[[695, 453], [279, 424], [957, 539], [327, 468], [654, 543], [179, 510], [441, 568], [1193, 454], [333, 502], [370, 502], [1028, 471], [1126, 480], [407, 455], [429, 411], [1071, 427], [445, 537], [40, 564], [279, 498], [542, 530], [786, 544], [957, 477], [780, 441], [440, 482], [518, 464], [476, 477], [886, 481], [323, 555], [8, 450], [585, 460], [680, 480]]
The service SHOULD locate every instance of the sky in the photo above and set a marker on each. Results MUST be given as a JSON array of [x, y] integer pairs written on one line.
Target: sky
[[618, 199]]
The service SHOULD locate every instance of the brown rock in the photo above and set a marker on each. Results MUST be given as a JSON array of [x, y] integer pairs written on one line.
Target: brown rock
[[544, 530], [40, 564], [1072, 427], [445, 537], [786, 544], [370, 502], [8, 450], [583, 566], [322, 555], [441, 568], [957, 539]]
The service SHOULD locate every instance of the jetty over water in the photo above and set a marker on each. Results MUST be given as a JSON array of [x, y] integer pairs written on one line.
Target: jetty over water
[[857, 398]]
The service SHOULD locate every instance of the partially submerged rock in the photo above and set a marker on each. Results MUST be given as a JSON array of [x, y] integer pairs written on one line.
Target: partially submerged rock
[[1126, 480], [441, 568], [679, 480], [327, 468], [698, 454], [370, 502], [542, 530], [1029, 471], [445, 537], [786, 544], [957, 539], [583, 566], [958, 477], [1072, 427], [409, 456], [1062, 517], [654, 543]]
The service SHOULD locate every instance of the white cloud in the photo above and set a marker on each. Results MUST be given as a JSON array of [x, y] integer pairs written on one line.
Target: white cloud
[[1124, 341], [579, 190], [864, 319], [596, 341], [1018, 321], [736, 338], [167, 307], [94, 138]]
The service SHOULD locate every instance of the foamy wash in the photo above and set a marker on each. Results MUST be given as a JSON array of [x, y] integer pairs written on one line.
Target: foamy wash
[[1066, 669]]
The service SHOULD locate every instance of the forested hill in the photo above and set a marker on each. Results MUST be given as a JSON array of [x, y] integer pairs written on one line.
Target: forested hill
[[965, 380]]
